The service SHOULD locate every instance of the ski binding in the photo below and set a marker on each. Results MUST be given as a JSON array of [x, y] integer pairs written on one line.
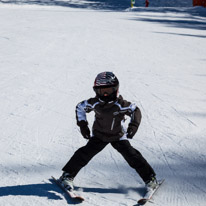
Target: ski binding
[[149, 194], [71, 194]]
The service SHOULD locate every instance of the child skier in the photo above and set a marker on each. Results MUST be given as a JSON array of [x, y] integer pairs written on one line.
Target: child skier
[[110, 110]]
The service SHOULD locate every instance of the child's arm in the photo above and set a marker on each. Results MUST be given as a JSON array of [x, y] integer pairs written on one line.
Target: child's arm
[[81, 109], [136, 117]]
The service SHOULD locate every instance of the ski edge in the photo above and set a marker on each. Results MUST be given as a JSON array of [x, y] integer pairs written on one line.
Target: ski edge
[[71, 194]]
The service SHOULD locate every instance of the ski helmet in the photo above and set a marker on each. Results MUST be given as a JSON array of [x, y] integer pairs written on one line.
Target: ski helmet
[[106, 86]]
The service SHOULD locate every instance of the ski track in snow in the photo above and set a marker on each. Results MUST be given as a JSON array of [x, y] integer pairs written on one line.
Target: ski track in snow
[[49, 57]]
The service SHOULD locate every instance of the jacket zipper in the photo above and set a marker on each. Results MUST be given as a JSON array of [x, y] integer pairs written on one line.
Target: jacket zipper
[[113, 124]]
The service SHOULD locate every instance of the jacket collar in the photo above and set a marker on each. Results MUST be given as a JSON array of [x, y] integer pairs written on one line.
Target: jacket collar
[[109, 104]]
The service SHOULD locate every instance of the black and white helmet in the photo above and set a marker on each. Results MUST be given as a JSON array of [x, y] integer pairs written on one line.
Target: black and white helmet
[[106, 86], [106, 79]]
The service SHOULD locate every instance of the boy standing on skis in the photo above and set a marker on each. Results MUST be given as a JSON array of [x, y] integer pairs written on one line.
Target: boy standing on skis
[[110, 110]]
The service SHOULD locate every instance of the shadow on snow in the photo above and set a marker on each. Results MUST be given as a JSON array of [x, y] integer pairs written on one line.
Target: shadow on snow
[[191, 18], [50, 191], [179, 34], [41, 190], [186, 23], [125, 190]]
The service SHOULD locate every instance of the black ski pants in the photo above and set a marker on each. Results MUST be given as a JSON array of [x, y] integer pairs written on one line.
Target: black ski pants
[[134, 158]]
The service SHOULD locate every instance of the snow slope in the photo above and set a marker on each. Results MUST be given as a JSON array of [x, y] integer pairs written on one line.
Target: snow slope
[[49, 57]]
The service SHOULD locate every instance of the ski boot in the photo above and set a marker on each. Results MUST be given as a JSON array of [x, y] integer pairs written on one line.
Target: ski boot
[[151, 184], [66, 181]]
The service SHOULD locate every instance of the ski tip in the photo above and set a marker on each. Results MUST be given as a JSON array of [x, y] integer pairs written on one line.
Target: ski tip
[[142, 201], [80, 198]]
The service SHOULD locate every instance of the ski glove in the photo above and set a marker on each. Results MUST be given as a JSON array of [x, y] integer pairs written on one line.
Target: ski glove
[[131, 130], [85, 131]]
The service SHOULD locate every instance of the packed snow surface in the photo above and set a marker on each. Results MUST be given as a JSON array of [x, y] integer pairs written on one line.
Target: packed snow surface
[[49, 57]]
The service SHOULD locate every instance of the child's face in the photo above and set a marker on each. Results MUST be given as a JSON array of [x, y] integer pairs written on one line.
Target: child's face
[[105, 91]]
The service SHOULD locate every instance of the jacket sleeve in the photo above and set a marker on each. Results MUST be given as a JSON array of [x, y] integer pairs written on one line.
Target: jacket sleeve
[[135, 114], [136, 117], [82, 108]]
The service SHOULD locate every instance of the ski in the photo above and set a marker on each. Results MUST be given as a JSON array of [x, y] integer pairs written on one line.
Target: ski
[[71, 194], [149, 194]]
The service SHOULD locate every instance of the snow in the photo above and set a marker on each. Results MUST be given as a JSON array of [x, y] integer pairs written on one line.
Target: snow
[[50, 53]]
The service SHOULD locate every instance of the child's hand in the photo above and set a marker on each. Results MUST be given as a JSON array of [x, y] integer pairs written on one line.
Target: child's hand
[[131, 130], [85, 131]]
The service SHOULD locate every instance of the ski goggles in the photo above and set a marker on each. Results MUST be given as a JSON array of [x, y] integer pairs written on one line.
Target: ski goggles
[[105, 90]]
